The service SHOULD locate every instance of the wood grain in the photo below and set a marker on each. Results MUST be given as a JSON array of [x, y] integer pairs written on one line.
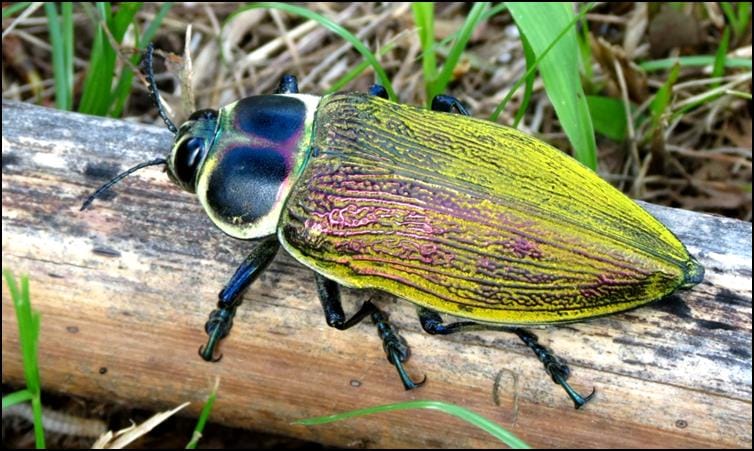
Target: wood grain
[[125, 288]]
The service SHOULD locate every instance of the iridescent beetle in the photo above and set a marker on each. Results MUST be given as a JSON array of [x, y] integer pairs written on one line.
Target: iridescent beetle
[[455, 214]]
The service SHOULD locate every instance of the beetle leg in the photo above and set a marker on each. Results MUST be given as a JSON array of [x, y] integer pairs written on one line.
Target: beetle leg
[[557, 369], [394, 345], [288, 85], [447, 104], [329, 296], [379, 91], [221, 319], [432, 323]]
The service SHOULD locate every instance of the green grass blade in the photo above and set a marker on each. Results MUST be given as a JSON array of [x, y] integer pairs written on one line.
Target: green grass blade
[[98, 96], [495, 10], [10, 10], [585, 51], [464, 414], [424, 17], [39, 433], [203, 417], [718, 69], [101, 62], [551, 24], [609, 116], [121, 21], [67, 32], [700, 99], [58, 56], [661, 100], [744, 17], [475, 17], [28, 335], [123, 88], [27, 330], [334, 27], [530, 70], [531, 63], [694, 61], [17, 397], [356, 71], [155, 25], [738, 18], [729, 12]]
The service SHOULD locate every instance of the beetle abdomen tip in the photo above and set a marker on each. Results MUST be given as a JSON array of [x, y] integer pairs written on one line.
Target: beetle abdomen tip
[[693, 273]]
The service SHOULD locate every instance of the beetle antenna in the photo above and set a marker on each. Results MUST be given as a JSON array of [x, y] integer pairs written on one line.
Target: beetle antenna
[[118, 178], [154, 91]]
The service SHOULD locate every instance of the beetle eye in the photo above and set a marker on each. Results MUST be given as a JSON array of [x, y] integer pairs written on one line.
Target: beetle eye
[[186, 160]]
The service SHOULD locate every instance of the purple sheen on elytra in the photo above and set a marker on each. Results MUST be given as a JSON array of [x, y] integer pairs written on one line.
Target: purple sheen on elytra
[[413, 203]]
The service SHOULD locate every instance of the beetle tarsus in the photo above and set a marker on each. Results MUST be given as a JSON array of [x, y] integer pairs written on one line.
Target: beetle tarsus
[[559, 372], [221, 319], [217, 327], [395, 347], [578, 400], [556, 368], [432, 323]]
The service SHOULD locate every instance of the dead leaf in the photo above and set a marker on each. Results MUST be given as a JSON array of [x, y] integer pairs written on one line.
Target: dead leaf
[[636, 80], [672, 28]]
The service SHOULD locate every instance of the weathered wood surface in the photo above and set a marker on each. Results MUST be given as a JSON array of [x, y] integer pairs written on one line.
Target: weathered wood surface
[[127, 287]]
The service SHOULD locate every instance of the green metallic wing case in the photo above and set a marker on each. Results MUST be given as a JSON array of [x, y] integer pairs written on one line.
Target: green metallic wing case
[[471, 218]]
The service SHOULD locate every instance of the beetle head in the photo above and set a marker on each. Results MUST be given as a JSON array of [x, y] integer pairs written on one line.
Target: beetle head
[[192, 142]]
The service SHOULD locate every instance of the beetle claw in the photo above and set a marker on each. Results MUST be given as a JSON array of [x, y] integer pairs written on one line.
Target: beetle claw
[[216, 330], [394, 357], [559, 377], [207, 354], [580, 401]]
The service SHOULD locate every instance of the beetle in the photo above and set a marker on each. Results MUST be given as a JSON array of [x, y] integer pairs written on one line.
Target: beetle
[[457, 215]]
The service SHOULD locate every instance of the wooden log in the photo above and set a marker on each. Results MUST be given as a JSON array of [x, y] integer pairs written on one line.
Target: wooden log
[[124, 290]]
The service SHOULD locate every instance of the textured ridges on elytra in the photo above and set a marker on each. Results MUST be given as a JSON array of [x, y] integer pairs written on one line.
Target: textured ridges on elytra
[[470, 218]]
